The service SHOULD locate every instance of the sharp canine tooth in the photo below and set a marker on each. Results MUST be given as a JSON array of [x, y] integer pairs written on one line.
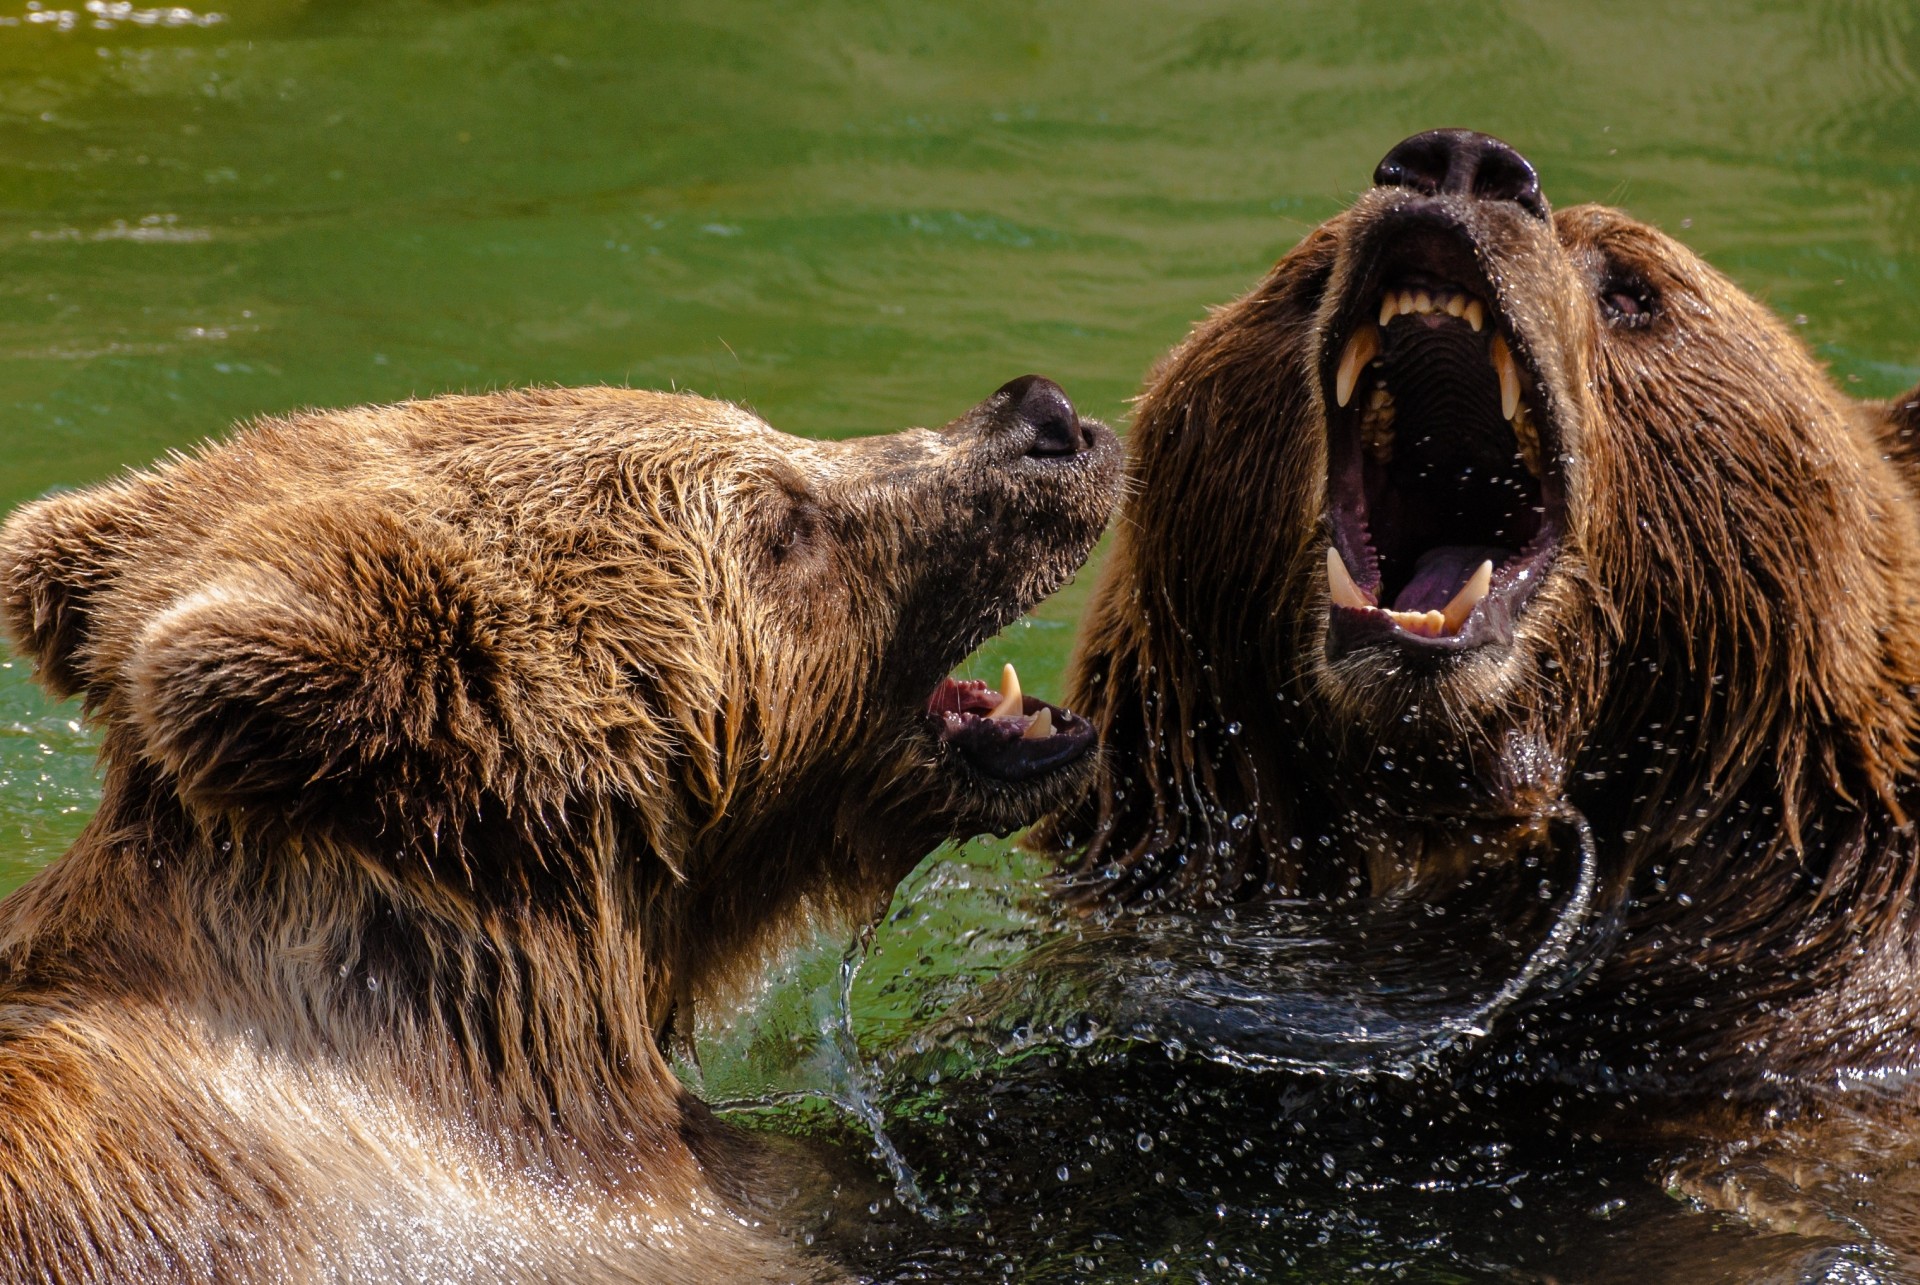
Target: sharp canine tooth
[[1389, 307], [1340, 585], [1042, 725], [1476, 314], [1455, 613], [1010, 700], [1362, 348], [1502, 359]]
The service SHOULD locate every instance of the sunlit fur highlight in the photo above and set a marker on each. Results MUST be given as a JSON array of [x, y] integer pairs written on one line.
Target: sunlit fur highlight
[[450, 750]]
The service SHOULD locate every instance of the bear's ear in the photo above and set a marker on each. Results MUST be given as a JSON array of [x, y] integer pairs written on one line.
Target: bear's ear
[[56, 555], [351, 667], [1898, 424]]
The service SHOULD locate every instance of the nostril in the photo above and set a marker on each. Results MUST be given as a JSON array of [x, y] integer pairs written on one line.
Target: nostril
[[1504, 175], [1421, 163], [1057, 432], [1042, 405], [1464, 162]]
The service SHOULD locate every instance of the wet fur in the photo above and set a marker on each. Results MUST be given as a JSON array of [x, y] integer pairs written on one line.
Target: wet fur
[[449, 749], [1721, 671]]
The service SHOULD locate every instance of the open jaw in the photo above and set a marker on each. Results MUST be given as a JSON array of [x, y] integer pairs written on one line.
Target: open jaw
[[1445, 496], [1006, 735]]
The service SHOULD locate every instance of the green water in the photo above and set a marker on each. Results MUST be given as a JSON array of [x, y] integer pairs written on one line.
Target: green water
[[853, 217]]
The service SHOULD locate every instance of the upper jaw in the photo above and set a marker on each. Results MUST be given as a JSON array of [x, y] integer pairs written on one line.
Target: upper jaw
[[1446, 480]]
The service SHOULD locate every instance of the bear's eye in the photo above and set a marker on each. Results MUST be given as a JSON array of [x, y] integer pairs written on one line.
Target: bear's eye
[[1627, 303]]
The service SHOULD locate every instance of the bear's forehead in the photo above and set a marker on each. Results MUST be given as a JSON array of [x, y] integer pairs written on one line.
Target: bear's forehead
[[1605, 230]]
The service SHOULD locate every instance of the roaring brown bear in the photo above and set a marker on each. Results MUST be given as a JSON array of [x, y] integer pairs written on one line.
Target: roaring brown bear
[[1473, 513], [449, 748]]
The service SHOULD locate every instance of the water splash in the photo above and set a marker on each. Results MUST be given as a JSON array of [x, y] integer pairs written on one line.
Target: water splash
[[1382, 989], [854, 1095]]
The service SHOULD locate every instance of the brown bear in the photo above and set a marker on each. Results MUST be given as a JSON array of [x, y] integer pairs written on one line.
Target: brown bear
[[1474, 514], [449, 748]]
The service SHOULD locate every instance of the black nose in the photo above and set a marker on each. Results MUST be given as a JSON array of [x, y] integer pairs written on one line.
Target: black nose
[[1041, 404], [1462, 162]]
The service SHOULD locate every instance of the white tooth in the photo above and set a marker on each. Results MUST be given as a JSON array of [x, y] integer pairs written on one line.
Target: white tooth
[[1428, 624], [1010, 700], [1362, 348], [1476, 314], [1406, 302], [1389, 307], [1042, 725], [1502, 359], [1423, 302], [1455, 613], [1340, 585], [1456, 304]]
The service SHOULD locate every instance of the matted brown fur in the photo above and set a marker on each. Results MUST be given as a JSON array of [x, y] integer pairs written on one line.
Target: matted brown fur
[[1721, 670], [449, 747]]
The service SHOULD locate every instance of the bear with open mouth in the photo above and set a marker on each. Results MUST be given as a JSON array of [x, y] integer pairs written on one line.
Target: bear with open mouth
[[1474, 514], [450, 749]]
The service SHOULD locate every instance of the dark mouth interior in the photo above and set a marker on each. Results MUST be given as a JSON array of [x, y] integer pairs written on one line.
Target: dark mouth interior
[[1430, 476], [1455, 490], [1012, 746]]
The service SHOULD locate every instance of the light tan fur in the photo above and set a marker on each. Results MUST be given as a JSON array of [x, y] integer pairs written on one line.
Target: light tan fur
[[450, 749]]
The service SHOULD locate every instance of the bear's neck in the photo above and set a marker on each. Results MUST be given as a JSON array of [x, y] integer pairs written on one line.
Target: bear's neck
[[532, 1001], [1769, 932], [1780, 938]]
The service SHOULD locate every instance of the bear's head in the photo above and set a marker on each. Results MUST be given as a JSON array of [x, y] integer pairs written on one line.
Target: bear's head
[[1472, 510], [519, 644]]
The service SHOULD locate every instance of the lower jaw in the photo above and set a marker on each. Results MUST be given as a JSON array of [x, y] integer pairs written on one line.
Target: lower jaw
[[1483, 613], [1491, 627]]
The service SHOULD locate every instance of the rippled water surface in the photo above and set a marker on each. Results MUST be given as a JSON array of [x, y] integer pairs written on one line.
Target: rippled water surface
[[860, 216]]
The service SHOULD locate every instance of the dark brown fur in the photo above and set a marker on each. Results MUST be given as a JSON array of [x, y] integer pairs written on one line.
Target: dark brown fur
[[1721, 671], [449, 748]]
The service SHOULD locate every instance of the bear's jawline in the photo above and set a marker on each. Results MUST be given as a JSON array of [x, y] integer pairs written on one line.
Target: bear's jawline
[[1428, 478], [961, 710]]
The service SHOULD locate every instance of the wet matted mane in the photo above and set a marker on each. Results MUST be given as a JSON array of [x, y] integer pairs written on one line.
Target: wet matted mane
[[1473, 511]]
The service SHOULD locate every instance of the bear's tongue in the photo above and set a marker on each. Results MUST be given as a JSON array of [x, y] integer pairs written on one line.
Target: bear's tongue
[[1439, 573]]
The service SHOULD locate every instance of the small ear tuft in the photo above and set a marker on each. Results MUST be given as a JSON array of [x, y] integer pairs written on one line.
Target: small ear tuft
[[372, 671], [55, 555], [233, 686], [1897, 427]]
